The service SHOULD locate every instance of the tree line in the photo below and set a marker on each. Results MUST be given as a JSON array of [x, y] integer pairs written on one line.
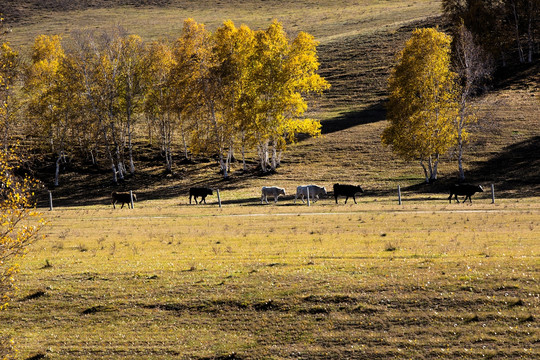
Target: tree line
[[505, 28], [233, 90]]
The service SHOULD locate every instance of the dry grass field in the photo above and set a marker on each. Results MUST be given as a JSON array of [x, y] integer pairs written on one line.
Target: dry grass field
[[367, 281], [375, 280]]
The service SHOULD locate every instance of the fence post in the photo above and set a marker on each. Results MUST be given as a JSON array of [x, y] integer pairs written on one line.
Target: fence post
[[218, 198], [131, 197], [492, 194], [399, 194], [307, 191], [50, 201]]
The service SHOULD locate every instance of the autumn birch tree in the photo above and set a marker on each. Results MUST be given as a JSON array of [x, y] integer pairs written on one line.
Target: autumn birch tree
[[473, 67], [283, 73], [49, 104], [9, 105], [158, 96], [190, 52], [130, 87], [233, 50], [93, 67], [422, 102]]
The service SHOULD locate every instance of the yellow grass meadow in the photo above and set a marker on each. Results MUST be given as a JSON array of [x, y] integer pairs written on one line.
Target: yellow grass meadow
[[426, 279]]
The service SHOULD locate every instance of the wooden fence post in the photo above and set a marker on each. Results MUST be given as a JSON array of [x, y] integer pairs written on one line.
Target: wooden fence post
[[492, 194], [399, 194], [307, 190], [218, 198], [50, 201], [131, 197]]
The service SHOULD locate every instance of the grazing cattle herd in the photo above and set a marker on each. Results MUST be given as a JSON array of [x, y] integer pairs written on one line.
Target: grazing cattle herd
[[311, 192]]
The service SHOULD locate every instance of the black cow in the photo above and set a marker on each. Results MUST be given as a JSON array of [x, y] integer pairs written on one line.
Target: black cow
[[464, 189], [201, 192], [347, 191], [122, 197]]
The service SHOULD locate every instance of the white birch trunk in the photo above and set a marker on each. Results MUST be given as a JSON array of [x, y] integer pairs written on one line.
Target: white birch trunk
[[274, 156]]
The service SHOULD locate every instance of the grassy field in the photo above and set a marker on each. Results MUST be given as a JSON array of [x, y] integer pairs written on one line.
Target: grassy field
[[358, 42], [368, 281], [326, 20]]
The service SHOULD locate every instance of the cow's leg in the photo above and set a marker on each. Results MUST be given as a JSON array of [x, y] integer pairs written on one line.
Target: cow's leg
[[354, 198], [113, 204], [203, 199], [122, 205], [336, 198], [190, 199], [262, 199], [457, 200], [195, 198], [346, 198], [450, 198], [275, 199]]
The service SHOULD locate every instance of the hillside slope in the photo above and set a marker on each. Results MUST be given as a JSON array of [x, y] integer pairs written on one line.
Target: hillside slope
[[357, 48]]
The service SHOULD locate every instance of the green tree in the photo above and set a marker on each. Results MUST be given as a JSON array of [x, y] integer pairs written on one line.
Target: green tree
[[422, 101]]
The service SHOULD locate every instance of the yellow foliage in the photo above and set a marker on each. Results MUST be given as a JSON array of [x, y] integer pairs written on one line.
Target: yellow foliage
[[19, 225], [9, 70], [422, 101]]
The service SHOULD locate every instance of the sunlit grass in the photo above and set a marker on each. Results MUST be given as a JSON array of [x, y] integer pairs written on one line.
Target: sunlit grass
[[167, 279], [327, 21]]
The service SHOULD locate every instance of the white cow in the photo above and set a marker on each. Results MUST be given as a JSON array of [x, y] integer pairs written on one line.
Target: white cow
[[271, 191], [314, 192]]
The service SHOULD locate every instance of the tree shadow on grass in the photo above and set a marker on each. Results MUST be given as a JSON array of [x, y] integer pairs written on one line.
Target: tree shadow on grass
[[345, 120], [98, 186], [514, 171]]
